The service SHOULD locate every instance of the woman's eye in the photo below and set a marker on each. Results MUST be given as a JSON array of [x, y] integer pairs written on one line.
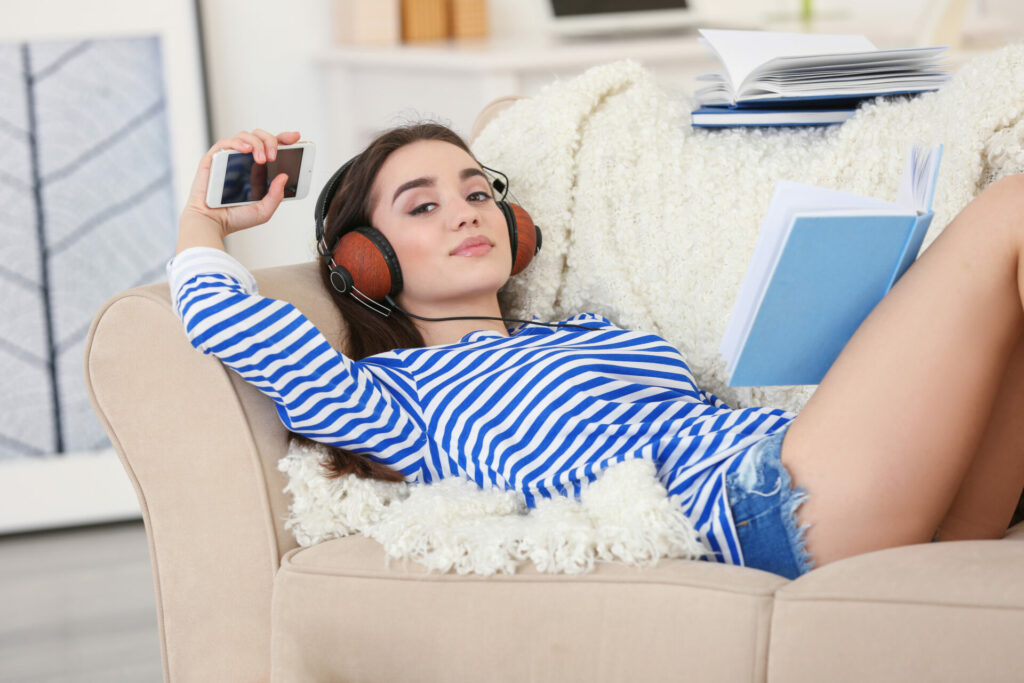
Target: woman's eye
[[422, 208], [479, 196]]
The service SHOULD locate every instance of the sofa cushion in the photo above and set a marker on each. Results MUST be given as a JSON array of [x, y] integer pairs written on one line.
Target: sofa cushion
[[340, 614], [908, 613]]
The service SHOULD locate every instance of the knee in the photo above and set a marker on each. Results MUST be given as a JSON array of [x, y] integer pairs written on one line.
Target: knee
[[999, 211], [1011, 183], [1011, 193], [1007, 196]]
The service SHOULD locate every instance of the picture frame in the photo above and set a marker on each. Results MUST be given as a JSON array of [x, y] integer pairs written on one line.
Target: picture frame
[[107, 115]]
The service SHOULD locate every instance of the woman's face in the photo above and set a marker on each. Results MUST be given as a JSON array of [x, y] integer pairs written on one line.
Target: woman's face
[[433, 203]]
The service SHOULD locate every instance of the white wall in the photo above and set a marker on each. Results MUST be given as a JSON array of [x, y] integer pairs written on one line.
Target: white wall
[[261, 74]]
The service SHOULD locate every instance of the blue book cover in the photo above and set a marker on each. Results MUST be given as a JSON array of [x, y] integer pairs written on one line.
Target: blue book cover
[[721, 117], [818, 271]]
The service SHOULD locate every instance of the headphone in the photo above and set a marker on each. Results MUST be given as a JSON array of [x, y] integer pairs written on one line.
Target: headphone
[[362, 263]]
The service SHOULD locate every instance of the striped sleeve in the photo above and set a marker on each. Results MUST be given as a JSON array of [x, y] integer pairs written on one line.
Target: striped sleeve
[[713, 400], [318, 391]]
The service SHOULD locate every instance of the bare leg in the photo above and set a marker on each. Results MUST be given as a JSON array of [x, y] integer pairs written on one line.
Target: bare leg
[[988, 495], [885, 442]]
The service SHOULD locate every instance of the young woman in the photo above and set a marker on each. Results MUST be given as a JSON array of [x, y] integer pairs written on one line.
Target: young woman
[[915, 434]]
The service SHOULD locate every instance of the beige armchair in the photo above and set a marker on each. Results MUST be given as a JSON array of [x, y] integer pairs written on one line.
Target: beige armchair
[[239, 601]]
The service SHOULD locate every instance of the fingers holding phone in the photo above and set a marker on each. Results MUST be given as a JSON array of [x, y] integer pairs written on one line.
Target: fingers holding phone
[[257, 181], [242, 180]]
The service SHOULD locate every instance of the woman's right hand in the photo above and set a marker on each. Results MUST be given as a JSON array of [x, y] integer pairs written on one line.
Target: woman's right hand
[[263, 146]]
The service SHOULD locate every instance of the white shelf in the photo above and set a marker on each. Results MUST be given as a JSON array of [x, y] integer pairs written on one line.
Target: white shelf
[[485, 55], [370, 88]]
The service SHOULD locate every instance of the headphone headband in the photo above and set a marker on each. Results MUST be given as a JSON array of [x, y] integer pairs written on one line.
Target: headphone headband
[[323, 202]]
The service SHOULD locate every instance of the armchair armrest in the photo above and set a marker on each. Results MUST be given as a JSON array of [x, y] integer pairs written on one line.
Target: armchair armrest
[[201, 448]]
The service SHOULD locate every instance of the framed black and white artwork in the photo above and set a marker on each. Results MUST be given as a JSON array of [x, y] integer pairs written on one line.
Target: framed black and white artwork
[[103, 119]]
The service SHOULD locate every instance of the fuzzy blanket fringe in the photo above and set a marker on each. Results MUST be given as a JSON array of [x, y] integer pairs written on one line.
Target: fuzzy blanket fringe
[[624, 516]]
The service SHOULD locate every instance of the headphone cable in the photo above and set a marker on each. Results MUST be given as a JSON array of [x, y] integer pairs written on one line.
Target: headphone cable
[[395, 305]]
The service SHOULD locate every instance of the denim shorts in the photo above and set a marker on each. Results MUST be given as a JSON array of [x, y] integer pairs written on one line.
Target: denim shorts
[[764, 503]]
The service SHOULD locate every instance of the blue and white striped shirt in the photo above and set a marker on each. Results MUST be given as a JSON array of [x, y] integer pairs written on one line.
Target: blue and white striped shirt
[[542, 411]]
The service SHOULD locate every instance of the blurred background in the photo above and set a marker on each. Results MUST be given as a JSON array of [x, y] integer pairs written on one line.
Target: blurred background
[[105, 110], [314, 75]]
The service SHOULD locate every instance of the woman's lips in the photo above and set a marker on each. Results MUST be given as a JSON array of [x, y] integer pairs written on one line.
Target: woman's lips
[[472, 246]]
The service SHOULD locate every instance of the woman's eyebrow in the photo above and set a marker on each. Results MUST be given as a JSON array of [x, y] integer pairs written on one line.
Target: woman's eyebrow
[[431, 181], [417, 182]]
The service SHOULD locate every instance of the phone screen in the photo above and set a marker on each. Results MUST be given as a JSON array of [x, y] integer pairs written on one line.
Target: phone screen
[[246, 181]]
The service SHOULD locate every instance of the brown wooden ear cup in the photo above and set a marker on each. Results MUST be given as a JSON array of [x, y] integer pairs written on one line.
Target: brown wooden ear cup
[[368, 262], [523, 235]]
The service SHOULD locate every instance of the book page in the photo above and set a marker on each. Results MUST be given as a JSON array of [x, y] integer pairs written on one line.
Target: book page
[[905, 196], [911, 60], [829, 91], [871, 60], [743, 51], [917, 187]]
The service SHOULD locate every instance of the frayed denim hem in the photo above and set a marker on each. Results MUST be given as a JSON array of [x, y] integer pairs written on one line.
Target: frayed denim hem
[[797, 534], [764, 505]]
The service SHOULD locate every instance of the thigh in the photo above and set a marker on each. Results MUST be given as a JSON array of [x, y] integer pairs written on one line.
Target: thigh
[[884, 442]]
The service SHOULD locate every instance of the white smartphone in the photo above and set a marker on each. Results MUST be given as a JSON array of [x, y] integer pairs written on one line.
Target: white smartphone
[[235, 179]]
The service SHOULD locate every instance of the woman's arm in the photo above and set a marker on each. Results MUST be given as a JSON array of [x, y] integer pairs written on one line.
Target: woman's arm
[[319, 392], [197, 230]]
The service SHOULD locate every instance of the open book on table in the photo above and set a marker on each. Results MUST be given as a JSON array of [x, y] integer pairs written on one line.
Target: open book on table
[[823, 261], [762, 68]]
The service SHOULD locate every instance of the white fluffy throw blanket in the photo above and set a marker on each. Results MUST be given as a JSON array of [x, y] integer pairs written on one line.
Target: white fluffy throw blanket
[[624, 516], [652, 223]]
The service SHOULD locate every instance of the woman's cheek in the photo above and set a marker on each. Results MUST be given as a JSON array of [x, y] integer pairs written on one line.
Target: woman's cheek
[[429, 258]]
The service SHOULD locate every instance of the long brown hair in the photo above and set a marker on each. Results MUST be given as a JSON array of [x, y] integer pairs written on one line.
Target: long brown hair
[[370, 333]]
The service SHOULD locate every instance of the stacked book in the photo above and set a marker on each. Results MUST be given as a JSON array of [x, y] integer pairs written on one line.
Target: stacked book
[[796, 79]]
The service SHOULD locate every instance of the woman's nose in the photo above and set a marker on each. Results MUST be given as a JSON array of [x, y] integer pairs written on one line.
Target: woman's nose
[[466, 214]]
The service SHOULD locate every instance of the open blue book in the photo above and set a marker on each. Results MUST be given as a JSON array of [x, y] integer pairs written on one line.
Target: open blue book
[[823, 261]]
